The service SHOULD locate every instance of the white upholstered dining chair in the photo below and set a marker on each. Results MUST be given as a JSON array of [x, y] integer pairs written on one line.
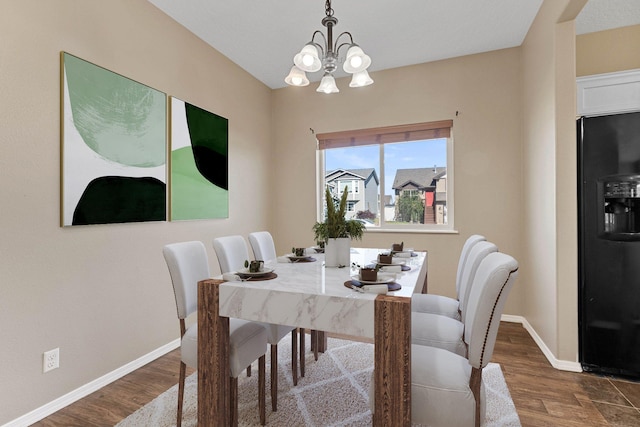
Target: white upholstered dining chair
[[442, 331], [188, 264], [446, 388], [440, 304], [263, 246], [232, 252], [264, 249]]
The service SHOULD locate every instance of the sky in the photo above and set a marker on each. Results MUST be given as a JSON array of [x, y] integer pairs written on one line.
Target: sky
[[405, 155]]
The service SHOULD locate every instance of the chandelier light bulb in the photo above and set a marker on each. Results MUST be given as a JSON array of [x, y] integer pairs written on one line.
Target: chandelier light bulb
[[360, 79], [308, 59], [356, 61], [328, 84], [296, 77]]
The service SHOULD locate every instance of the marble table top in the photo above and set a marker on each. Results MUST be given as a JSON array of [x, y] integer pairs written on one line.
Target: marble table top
[[310, 295]]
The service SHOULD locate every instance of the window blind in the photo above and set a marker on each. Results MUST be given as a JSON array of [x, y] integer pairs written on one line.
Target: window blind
[[384, 135]]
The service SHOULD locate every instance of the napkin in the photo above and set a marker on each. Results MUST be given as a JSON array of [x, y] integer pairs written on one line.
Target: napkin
[[284, 259], [375, 289], [391, 269], [402, 254], [230, 277]]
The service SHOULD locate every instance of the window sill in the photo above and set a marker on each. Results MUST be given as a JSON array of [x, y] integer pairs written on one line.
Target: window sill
[[410, 231]]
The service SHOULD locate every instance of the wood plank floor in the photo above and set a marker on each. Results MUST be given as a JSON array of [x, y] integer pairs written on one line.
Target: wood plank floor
[[543, 396]]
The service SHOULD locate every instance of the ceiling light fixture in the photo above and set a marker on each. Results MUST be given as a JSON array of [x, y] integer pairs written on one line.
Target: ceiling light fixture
[[308, 60]]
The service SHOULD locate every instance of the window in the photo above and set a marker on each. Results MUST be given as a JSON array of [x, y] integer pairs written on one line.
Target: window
[[398, 177], [345, 184]]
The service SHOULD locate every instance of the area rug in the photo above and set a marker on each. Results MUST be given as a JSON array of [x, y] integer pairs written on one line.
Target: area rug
[[333, 392]]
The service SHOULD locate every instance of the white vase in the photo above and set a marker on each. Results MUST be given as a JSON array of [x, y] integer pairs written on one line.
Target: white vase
[[337, 252]]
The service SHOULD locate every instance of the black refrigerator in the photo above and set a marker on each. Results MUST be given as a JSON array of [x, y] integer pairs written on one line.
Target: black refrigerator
[[609, 243]]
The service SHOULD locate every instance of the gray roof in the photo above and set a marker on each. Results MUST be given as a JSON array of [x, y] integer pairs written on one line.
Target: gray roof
[[417, 178], [364, 174]]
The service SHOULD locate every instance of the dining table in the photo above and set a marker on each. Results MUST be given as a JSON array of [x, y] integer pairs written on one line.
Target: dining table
[[303, 292]]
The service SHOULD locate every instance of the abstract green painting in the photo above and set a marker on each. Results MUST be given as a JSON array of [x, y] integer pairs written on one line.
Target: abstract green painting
[[114, 138], [199, 163]]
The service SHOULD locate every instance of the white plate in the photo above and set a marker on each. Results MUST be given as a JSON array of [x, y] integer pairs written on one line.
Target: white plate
[[385, 264], [297, 258], [246, 272], [382, 279]]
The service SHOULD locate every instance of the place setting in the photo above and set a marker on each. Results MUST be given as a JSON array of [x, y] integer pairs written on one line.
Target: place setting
[[254, 271], [370, 279], [387, 263], [299, 255], [398, 250]]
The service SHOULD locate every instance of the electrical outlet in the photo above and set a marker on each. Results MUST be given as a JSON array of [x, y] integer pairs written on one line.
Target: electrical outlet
[[51, 360]]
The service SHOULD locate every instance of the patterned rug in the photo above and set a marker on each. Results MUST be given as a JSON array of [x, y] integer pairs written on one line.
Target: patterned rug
[[334, 392]]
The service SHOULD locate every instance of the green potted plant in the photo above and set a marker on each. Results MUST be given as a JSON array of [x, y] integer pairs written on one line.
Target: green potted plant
[[337, 231]]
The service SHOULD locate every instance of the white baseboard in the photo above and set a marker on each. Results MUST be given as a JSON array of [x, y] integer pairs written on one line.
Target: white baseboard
[[563, 365], [77, 394]]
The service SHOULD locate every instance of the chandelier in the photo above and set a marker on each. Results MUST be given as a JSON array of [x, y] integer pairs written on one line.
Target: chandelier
[[308, 60]]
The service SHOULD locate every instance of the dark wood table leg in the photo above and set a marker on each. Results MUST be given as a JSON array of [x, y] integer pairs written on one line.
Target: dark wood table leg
[[392, 363], [214, 381]]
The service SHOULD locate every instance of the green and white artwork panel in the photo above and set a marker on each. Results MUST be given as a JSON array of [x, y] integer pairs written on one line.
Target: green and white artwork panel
[[114, 139], [199, 163]]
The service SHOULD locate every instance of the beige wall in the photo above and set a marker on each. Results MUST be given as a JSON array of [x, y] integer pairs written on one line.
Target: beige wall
[[539, 228], [484, 89], [550, 216], [552, 56], [608, 51], [101, 293]]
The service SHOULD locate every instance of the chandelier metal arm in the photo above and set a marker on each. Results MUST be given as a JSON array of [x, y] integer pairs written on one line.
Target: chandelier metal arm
[[337, 47], [323, 49]]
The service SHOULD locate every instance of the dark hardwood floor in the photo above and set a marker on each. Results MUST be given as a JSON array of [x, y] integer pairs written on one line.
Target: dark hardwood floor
[[543, 396]]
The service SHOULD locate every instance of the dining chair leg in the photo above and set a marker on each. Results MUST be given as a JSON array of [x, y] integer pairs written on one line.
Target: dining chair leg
[[274, 377], [233, 402], [474, 383], [183, 370], [249, 370], [321, 340], [302, 352], [314, 343], [261, 389], [294, 356]]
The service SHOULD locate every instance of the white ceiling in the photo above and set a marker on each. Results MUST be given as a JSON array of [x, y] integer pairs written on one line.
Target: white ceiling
[[600, 15], [262, 36]]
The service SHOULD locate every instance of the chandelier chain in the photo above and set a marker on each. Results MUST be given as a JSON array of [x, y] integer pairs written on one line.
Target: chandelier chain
[[328, 10]]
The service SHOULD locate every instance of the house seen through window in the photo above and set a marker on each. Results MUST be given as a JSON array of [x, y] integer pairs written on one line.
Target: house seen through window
[[396, 177]]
